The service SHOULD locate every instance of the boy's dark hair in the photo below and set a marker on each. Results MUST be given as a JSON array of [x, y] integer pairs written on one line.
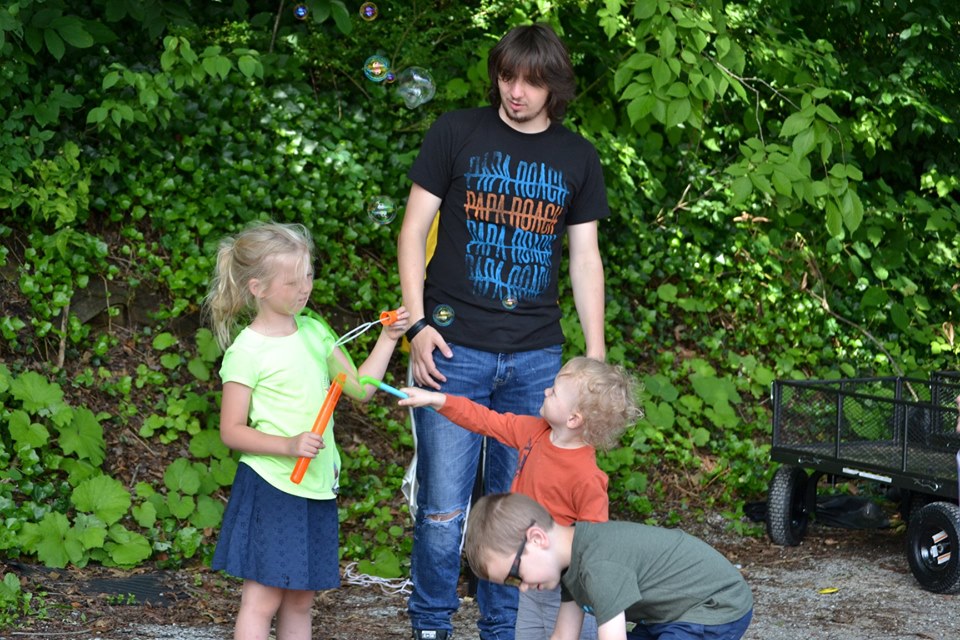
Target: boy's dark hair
[[497, 524], [536, 54]]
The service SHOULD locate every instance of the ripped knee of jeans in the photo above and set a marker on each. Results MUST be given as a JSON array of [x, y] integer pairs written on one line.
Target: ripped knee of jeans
[[443, 517]]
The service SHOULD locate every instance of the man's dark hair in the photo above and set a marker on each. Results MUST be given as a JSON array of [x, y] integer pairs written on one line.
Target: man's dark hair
[[536, 54]]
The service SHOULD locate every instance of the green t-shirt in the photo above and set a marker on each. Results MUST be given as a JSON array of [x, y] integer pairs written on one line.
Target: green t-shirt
[[289, 379], [654, 575]]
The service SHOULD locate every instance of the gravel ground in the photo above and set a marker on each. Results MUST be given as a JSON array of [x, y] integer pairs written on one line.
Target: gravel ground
[[837, 585]]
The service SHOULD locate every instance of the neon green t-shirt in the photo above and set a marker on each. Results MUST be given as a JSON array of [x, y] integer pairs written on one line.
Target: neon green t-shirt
[[289, 378]]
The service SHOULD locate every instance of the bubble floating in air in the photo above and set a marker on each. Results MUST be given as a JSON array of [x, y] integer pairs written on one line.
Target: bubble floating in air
[[381, 210], [415, 85], [300, 12], [376, 68], [443, 315], [509, 303], [369, 11]]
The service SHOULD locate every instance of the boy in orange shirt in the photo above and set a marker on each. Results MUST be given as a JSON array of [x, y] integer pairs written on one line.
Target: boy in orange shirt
[[588, 407]]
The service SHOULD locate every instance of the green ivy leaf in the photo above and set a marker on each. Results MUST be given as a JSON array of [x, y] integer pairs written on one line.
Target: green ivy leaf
[[660, 415], [700, 437], [199, 369], [715, 391], [90, 531], [385, 565], [667, 292], [180, 506], [207, 347], [127, 548], [36, 393], [52, 540], [659, 385], [182, 476], [84, 437], [763, 376], [209, 513], [171, 360], [145, 515], [223, 471], [25, 432], [6, 379], [103, 496], [207, 444], [10, 590], [163, 341]]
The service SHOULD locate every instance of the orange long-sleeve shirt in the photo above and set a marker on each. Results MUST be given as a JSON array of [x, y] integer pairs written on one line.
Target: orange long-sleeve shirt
[[567, 482]]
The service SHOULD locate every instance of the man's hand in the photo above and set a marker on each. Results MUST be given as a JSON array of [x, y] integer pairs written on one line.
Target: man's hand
[[425, 371]]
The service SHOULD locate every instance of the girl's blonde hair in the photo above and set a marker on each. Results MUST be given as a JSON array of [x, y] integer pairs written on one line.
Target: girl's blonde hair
[[498, 523], [607, 403], [250, 255]]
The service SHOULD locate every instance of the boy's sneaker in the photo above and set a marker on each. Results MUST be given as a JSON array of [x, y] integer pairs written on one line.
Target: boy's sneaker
[[432, 634]]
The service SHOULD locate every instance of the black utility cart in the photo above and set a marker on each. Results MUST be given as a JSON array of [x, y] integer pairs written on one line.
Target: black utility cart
[[900, 432]]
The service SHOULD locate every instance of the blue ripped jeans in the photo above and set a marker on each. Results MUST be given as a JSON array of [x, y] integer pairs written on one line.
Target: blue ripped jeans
[[447, 460]]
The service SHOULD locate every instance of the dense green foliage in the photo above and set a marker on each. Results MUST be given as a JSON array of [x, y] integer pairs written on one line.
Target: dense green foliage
[[784, 177]]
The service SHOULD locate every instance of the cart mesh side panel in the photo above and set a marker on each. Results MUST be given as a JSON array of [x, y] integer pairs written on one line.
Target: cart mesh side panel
[[901, 430]]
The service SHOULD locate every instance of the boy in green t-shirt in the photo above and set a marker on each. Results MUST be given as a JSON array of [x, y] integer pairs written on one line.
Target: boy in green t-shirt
[[639, 581]]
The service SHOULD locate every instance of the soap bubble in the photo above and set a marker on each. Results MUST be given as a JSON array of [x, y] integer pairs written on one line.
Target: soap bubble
[[443, 315], [381, 210], [300, 12], [376, 68], [369, 11], [509, 303], [415, 86], [391, 76]]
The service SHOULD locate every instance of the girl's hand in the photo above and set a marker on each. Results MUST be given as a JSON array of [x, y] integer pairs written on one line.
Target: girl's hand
[[396, 330], [417, 397], [306, 445]]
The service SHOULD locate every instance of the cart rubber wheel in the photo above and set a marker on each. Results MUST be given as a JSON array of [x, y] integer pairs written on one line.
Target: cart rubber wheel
[[933, 547], [911, 503], [787, 513]]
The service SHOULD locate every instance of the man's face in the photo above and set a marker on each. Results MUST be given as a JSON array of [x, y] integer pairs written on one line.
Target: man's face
[[523, 105]]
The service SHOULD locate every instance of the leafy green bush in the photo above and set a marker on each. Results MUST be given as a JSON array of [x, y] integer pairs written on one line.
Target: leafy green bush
[[783, 207]]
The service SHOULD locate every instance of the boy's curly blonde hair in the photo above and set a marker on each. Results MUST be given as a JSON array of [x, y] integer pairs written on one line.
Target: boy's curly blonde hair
[[607, 400]]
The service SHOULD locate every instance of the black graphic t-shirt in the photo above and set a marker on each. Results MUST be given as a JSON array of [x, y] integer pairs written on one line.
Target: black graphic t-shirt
[[508, 198]]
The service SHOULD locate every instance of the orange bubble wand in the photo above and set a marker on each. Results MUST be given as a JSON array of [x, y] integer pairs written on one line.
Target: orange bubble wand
[[320, 424], [387, 318]]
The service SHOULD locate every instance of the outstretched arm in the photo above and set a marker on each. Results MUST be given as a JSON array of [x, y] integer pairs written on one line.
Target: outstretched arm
[[376, 363], [417, 397]]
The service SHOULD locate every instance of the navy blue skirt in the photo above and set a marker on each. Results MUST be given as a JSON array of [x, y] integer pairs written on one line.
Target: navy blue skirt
[[277, 539]]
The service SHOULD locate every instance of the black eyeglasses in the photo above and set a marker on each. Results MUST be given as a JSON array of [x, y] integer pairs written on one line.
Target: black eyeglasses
[[513, 578]]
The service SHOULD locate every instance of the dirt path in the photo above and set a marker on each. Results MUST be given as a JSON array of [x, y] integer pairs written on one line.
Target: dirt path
[[837, 585]]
